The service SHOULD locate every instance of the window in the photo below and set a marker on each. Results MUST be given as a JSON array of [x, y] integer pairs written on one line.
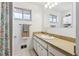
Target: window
[[52, 18], [17, 13], [22, 14], [27, 15]]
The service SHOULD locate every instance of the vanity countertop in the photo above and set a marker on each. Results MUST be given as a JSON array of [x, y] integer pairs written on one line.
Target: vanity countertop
[[60, 43]]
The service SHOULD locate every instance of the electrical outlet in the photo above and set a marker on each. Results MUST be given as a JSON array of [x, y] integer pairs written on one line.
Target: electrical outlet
[[23, 46]]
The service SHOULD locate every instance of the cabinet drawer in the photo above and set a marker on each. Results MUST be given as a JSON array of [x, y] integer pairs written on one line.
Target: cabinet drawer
[[42, 43], [55, 51], [41, 51]]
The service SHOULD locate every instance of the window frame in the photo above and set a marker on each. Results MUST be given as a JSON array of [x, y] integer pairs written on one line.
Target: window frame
[[23, 14], [52, 18], [29, 13], [16, 12]]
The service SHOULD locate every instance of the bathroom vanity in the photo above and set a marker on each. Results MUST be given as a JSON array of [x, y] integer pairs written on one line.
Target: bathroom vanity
[[45, 44]]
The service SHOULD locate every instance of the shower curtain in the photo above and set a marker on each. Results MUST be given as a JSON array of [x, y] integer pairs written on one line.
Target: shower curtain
[[6, 29]]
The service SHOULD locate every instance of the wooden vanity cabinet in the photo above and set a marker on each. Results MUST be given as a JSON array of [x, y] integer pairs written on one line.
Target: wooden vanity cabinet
[[43, 48]]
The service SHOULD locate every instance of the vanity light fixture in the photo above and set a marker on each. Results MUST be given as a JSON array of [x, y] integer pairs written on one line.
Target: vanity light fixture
[[50, 4]]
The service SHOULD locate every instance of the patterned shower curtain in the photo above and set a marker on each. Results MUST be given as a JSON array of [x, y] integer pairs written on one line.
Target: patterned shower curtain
[[6, 29]]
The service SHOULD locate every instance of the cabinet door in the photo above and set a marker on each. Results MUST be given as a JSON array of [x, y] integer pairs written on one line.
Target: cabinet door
[[42, 42], [43, 51], [38, 49], [35, 45], [55, 51]]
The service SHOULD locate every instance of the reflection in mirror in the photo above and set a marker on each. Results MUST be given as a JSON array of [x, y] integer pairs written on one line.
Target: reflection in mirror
[[67, 21], [52, 20], [60, 15]]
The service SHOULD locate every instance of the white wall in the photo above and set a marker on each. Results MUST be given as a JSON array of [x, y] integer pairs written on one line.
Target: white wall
[[36, 25], [71, 32]]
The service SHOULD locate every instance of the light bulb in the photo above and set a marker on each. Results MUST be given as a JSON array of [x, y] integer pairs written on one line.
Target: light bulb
[[50, 7], [46, 6], [48, 3], [56, 3]]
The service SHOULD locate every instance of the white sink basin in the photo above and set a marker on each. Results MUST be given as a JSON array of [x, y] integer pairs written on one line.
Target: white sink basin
[[46, 37], [52, 37]]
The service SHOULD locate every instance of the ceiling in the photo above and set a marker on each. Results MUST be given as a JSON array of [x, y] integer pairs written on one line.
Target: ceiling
[[63, 6]]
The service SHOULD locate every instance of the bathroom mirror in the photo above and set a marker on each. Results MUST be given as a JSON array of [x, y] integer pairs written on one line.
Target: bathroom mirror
[[60, 15]]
